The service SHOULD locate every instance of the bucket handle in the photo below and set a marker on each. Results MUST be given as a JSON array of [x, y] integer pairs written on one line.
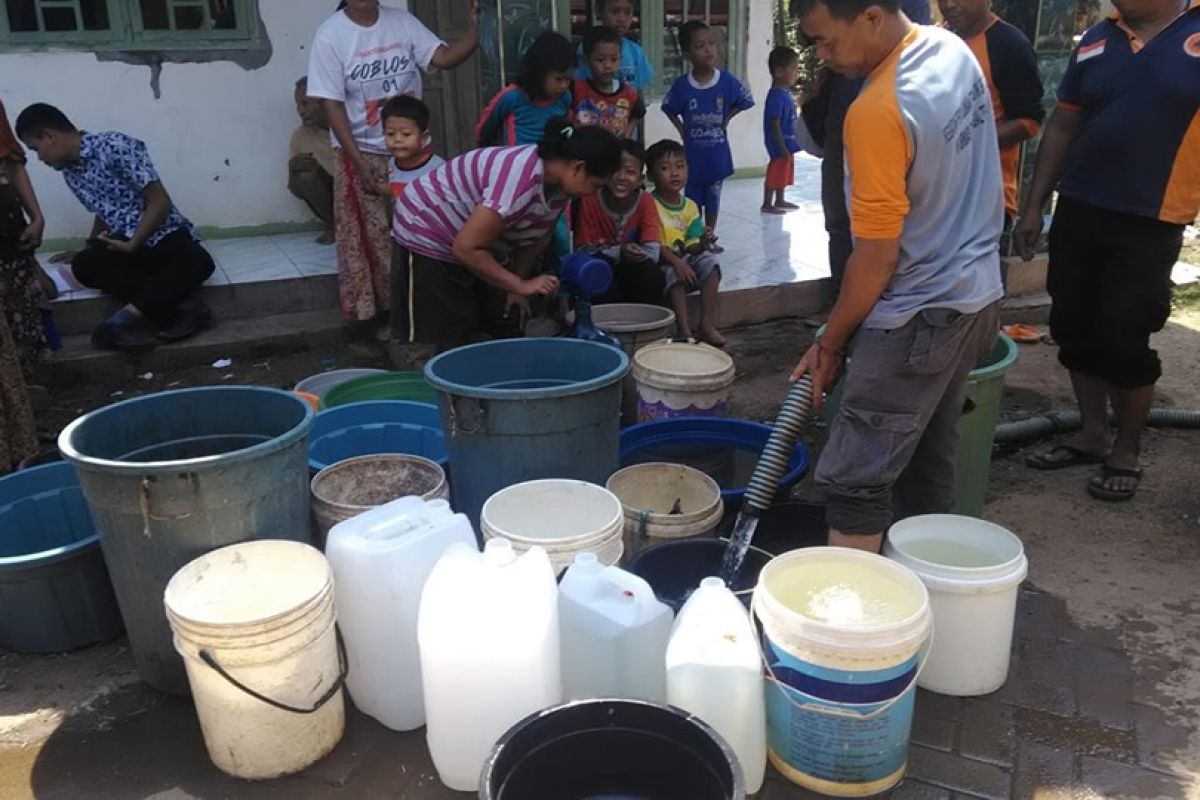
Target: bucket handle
[[343, 670], [818, 705], [468, 415], [144, 499], [639, 536]]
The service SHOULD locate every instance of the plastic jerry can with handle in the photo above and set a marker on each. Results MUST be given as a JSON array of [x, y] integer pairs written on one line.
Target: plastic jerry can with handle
[[490, 656], [614, 633], [381, 559], [714, 670]]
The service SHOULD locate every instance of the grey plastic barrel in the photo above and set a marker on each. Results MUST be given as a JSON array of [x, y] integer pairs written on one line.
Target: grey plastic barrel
[[171, 476], [517, 410]]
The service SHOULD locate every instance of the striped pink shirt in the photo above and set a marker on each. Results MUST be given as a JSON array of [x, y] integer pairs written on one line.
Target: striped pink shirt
[[508, 180]]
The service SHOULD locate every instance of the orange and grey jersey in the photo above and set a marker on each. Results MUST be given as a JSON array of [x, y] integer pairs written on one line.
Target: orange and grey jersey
[[1010, 68], [922, 167]]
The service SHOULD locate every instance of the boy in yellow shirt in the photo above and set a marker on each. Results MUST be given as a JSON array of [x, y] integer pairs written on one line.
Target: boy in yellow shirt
[[685, 258]]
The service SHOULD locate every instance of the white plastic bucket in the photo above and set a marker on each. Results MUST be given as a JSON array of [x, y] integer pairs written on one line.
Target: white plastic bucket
[[562, 517], [972, 570], [255, 624], [677, 379], [844, 632], [664, 502], [635, 325]]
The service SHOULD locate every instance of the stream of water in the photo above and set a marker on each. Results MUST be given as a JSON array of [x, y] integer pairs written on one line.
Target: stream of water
[[739, 543]]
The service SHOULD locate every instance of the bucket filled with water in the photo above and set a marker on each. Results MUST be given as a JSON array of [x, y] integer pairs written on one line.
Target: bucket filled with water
[[972, 570], [675, 569], [844, 633]]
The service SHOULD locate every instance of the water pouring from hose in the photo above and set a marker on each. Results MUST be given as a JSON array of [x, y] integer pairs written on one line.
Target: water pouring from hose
[[772, 464]]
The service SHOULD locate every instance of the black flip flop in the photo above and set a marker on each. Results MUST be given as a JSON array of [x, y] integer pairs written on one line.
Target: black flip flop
[[1100, 492], [1076, 457]]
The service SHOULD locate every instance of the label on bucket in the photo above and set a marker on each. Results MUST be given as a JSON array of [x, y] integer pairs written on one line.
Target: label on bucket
[[826, 733], [648, 411]]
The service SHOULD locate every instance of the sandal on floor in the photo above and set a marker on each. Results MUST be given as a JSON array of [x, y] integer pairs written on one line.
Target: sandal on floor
[[1098, 490], [1075, 456]]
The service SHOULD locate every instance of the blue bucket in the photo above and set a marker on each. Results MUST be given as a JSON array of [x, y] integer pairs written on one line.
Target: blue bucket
[[844, 635], [517, 410], [725, 449], [376, 427], [55, 593]]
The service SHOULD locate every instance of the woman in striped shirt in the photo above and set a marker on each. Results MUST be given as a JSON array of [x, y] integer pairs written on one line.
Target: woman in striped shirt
[[453, 221]]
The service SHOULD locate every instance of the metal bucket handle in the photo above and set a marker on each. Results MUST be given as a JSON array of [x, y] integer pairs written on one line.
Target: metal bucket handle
[[343, 670], [818, 705]]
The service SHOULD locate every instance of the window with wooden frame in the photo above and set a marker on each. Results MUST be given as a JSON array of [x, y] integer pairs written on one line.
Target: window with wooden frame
[[656, 26], [129, 24]]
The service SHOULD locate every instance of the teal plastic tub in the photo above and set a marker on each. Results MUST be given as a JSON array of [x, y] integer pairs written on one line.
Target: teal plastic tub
[[55, 594], [517, 410]]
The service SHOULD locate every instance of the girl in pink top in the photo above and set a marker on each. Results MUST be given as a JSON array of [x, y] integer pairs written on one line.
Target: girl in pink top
[[453, 220]]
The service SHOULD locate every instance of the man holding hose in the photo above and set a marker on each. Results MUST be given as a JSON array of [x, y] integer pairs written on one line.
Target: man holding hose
[[921, 289]]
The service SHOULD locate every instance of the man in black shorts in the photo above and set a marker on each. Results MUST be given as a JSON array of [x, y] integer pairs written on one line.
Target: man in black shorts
[[1123, 148]]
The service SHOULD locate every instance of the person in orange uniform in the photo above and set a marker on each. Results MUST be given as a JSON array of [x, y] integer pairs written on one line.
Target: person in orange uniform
[[1010, 67], [1123, 150]]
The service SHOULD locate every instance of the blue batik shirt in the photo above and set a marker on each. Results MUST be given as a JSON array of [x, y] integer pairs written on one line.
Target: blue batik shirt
[[112, 172], [705, 110]]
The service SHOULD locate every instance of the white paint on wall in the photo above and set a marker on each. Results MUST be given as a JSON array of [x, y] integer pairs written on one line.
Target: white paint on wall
[[219, 133]]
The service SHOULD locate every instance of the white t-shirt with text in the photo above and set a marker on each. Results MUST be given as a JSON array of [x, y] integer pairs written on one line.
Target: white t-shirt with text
[[364, 67]]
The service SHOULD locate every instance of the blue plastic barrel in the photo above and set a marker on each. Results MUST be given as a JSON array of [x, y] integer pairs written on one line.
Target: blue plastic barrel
[[55, 594], [171, 476], [374, 428], [725, 449], [516, 410]]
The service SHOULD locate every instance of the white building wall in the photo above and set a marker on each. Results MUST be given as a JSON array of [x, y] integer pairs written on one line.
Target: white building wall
[[218, 133]]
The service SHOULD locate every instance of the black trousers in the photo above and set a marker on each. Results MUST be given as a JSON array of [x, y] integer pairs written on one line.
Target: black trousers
[[154, 279], [833, 199], [1110, 283], [842, 91]]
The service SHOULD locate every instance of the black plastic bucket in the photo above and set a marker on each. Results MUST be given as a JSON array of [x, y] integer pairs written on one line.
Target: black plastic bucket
[[611, 750], [675, 569]]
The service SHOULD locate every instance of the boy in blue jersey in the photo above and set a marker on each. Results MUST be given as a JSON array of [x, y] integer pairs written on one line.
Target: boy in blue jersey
[[779, 131], [635, 69], [700, 105]]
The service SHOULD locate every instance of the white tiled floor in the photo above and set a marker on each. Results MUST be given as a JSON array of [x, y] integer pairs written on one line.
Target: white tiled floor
[[760, 249]]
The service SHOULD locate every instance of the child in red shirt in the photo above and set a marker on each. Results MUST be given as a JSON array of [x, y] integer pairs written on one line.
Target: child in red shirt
[[604, 99], [620, 224]]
